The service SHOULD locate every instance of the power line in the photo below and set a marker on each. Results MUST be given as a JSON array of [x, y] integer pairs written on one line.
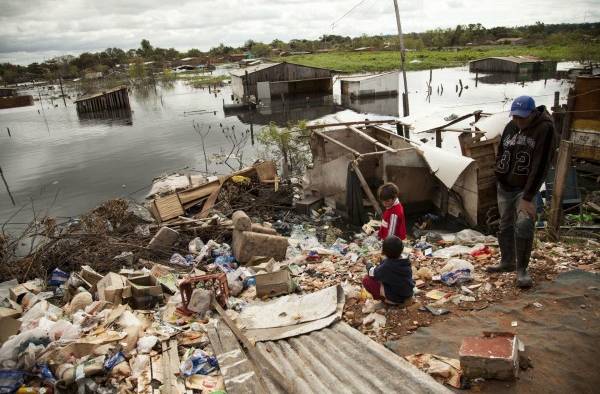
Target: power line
[[347, 13]]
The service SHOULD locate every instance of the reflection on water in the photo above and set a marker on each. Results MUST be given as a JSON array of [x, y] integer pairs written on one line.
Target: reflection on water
[[114, 117], [373, 105], [501, 78], [83, 160]]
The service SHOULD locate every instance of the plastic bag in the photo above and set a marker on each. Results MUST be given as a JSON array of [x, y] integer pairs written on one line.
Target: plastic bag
[[199, 363], [113, 360], [340, 246], [9, 352], [10, 380], [178, 259], [454, 250], [456, 271], [58, 277], [145, 344], [195, 246]]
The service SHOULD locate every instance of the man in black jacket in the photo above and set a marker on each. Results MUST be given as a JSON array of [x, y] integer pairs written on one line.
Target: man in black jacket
[[523, 159]]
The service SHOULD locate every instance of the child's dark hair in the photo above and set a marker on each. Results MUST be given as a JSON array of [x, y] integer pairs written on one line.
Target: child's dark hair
[[392, 247], [388, 191]]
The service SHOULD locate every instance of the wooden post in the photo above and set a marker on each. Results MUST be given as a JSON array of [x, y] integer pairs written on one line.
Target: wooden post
[[7, 129], [62, 92], [566, 126], [402, 59], [563, 163], [438, 138], [366, 188], [7, 188], [399, 129]]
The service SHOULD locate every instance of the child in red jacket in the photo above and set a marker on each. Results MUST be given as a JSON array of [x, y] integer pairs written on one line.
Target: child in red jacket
[[393, 223]]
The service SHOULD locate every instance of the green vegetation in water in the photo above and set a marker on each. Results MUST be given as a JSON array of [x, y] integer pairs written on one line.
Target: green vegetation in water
[[199, 80], [288, 143], [377, 61]]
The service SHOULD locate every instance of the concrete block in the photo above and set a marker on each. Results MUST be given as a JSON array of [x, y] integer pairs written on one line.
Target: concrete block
[[241, 221], [164, 239], [247, 244], [492, 356]]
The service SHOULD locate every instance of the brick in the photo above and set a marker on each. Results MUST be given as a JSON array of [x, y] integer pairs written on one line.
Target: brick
[[492, 356]]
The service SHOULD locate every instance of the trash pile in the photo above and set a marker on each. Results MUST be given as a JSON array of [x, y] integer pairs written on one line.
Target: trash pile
[[127, 299]]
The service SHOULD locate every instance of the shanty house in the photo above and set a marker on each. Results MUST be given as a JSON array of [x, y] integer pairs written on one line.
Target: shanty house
[[371, 85], [512, 64], [427, 177], [274, 79]]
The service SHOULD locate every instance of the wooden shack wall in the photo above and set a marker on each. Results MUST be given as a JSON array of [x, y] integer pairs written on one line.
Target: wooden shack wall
[[493, 65], [15, 101], [282, 72]]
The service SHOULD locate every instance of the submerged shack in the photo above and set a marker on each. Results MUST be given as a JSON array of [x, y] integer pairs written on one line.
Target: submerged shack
[[116, 98], [272, 80], [10, 99], [385, 84], [512, 64], [427, 176]]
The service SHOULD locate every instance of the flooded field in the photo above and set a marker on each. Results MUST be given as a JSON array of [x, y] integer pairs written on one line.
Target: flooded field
[[57, 161]]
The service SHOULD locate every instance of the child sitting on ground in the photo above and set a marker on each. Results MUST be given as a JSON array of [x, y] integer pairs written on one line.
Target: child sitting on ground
[[391, 281], [393, 223]]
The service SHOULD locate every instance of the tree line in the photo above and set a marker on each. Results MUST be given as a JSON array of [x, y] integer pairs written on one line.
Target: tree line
[[69, 67]]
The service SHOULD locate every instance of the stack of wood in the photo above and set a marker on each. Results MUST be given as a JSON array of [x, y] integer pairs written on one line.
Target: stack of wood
[[172, 207]]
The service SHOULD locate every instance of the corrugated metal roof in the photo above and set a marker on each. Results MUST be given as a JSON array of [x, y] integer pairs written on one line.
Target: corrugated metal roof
[[353, 78], [252, 69], [340, 359], [513, 59]]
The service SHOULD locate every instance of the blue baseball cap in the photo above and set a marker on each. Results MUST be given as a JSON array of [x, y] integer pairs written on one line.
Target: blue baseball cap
[[522, 107]]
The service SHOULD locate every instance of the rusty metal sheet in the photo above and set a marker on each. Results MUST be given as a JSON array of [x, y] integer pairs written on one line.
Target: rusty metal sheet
[[340, 359]]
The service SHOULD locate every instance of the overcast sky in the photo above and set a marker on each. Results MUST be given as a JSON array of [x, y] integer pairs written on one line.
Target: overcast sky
[[36, 30]]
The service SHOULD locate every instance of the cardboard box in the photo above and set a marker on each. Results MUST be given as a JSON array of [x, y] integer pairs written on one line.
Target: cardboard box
[[145, 285], [9, 326], [113, 288], [17, 293], [274, 283], [9, 312], [146, 291], [88, 274]]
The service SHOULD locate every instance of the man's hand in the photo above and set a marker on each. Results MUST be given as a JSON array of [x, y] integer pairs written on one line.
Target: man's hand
[[368, 267], [528, 207]]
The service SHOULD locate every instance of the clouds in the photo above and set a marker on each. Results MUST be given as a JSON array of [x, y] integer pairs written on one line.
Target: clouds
[[34, 29]]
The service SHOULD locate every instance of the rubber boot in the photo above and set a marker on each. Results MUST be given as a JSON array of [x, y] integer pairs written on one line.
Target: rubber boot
[[506, 240], [523, 246]]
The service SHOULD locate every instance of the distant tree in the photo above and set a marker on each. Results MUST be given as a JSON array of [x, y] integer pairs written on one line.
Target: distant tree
[[193, 53], [145, 50]]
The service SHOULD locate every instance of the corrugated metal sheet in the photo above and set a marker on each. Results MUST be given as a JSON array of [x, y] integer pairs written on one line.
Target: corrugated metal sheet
[[340, 359], [252, 69]]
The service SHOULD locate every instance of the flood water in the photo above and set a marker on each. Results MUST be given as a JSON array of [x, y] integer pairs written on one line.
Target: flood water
[[62, 163]]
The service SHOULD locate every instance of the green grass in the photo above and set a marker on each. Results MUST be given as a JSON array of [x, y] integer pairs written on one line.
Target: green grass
[[352, 62]]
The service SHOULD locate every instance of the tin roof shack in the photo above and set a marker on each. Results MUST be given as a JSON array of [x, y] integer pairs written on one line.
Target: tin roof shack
[[8, 92], [275, 79], [585, 126], [10, 99], [512, 64], [371, 85], [425, 175]]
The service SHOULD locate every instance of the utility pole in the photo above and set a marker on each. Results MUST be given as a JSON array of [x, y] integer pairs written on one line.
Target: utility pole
[[402, 58]]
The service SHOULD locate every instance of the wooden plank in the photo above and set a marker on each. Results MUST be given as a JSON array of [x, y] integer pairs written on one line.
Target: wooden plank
[[196, 193], [333, 140], [212, 199], [266, 171], [366, 188], [168, 207], [367, 137], [457, 120], [370, 122], [563, 163], [238, 372]]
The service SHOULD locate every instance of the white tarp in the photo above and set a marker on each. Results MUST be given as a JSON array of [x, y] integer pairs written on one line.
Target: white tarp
[[446, 166], [292, 315], [493, 125]]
